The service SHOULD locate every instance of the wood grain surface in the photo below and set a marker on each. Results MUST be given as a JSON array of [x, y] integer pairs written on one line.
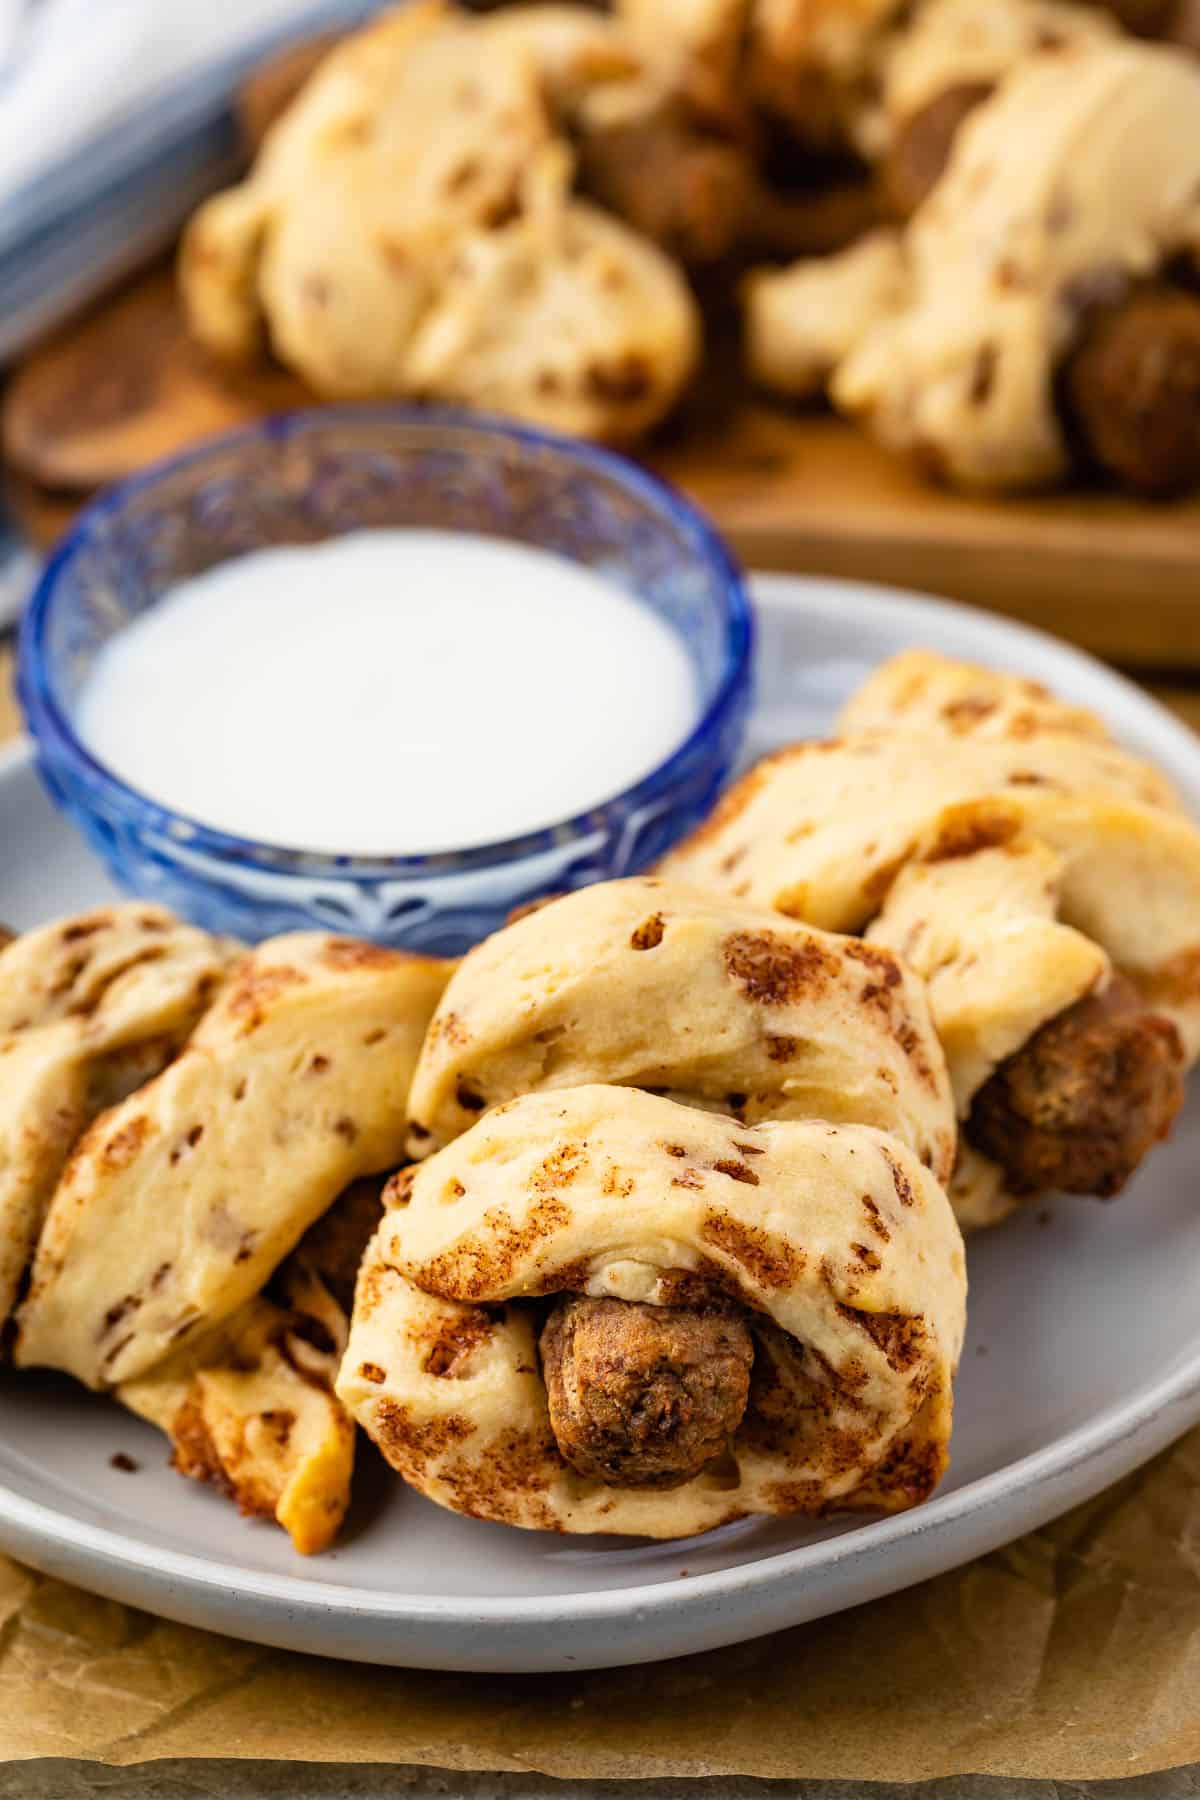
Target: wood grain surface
[[795, 491]]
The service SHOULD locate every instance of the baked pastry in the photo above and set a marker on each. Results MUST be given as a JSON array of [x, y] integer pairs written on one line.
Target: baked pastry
[[169, 1216], [401, 139], [215, 1083], [419, 182], [942, 60], [683, 174], [1104, 190], [1130, 387], [576, 50], [90, 1008], [925, 66], [722, 1005], [802, 61], [664, 1370], [249, 1407], [995, 839], [801, 322], [563, 316], [918, 691], [744, 1318], [1066, 339]]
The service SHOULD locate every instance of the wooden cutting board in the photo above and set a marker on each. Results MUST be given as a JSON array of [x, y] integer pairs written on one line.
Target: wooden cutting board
[[124, 385]]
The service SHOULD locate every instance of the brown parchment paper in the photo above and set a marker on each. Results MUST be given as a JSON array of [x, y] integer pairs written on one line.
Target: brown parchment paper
[[1072, 1655]]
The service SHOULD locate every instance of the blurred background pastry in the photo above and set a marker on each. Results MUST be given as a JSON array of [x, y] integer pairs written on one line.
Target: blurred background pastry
[[408, 229], [552, 211], [1039, 310]]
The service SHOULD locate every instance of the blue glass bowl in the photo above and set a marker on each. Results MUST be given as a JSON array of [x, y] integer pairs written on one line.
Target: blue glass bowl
[[308, 476]]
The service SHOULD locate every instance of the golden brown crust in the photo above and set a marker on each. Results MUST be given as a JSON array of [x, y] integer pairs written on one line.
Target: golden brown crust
[[194, 1454]]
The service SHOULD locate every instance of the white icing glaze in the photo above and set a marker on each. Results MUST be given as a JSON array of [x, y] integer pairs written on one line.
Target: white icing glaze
[[388, 692]]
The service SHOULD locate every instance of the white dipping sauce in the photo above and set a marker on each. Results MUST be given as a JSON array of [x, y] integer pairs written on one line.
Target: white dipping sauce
[[389, 692]]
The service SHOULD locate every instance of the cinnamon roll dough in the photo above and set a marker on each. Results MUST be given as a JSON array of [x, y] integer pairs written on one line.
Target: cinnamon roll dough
[[921, 691], [90, 1008], [563, 316], [1083, 168], [249, 1406], [952, 44], [802, 321], [1073, 183], [181, 1200], [995, 839], [400, 140], [415, 194], [835, 1240], [652, 984], [250, 1409], [820, 831]]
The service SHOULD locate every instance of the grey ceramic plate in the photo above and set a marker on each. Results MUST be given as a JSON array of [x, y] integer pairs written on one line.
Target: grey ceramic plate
[[1083, 1357]]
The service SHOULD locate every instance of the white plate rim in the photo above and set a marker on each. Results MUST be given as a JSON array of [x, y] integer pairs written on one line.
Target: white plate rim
[[1047, 1480]]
